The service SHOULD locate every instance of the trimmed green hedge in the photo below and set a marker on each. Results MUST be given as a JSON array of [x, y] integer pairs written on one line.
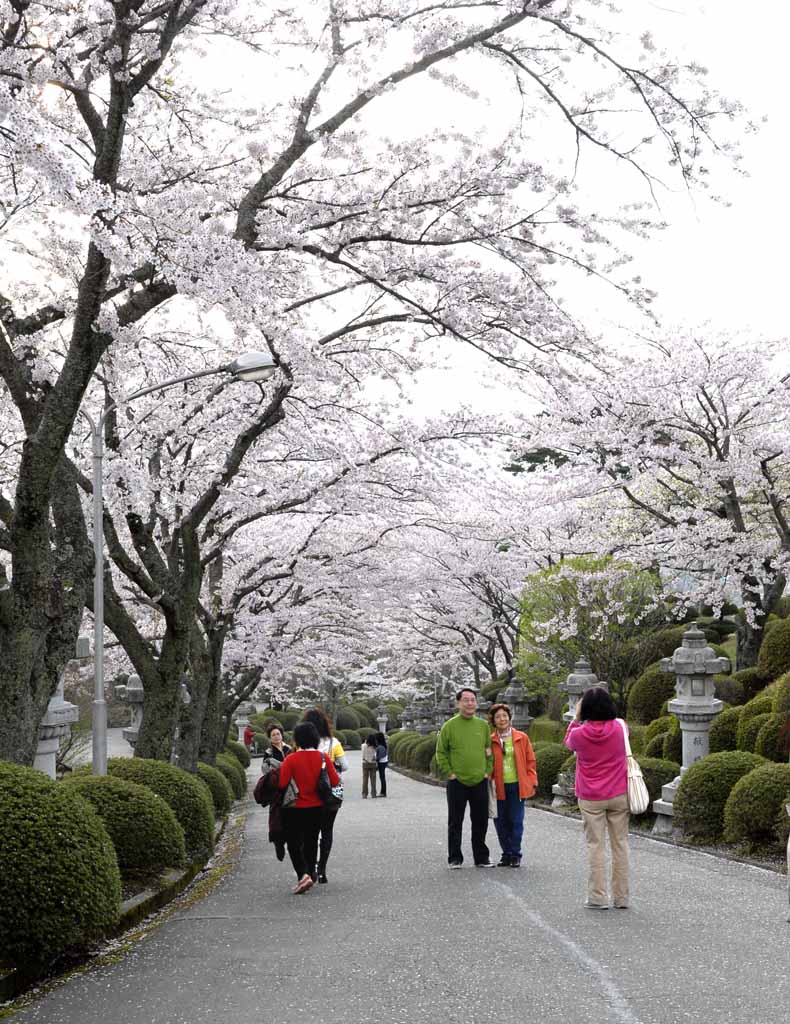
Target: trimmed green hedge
[[347, 718], [748, 730], [782, 694], [770, 740], [365, 715], [723, 733], [234, 773], [655, 748], [774, 657], [422, 754], [219, 787], [546, 730], [189, 798], [762, 704], [751, 679], [704, 789], [143, 829], [549, 759], [239, 751], [657, 726], [287, 719], [59, 880], [657, 773], [754, 805], [648, 693], [672, 747]]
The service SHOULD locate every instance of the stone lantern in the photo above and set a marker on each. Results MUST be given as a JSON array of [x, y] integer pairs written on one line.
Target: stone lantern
[[409, 716], [381, 718], [133, 695], [424, 718], [445, 709], [242, 719], [581, 679], [694, 665], [515, 696], [56, 723]]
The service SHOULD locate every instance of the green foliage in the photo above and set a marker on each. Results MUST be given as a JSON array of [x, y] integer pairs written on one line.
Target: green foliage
[[652, 647], [421, 755], [234, 773], [770, 740], [754, 805], [394, 711], [783, 825], [782, 694], [286, 719], [219, 787], [729, 689], [657, 772], [636, 736], [648, 693], [762, 704], [142, 827], [544, 729], [782, 607], [352, 740], [404, 750], [491, 690], [704, 789], [749, 729], [365, 715], [672, 747], [59, 881], [774, 658], [347, 718], [184, 793], [548, 760], [723, 733], [239, 751], [751, 679], [655, 747], [656, 727]]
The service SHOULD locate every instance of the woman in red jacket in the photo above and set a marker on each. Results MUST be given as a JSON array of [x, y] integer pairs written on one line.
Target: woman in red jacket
[[303, 818], [515, 780]]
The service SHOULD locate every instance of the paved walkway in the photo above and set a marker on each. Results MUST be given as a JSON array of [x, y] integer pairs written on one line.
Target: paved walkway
[[396, 938]]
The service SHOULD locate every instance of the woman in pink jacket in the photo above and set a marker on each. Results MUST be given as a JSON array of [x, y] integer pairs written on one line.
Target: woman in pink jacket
[[596, 736]]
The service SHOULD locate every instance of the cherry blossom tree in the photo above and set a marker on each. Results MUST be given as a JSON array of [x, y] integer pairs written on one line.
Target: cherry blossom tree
[[150, 219]]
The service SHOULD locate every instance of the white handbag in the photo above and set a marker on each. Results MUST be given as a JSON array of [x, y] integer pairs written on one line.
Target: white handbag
[[638, 796], [493, 807]]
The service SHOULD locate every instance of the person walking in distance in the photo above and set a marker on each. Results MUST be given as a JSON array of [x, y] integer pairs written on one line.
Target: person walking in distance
[[463, 753], [382, 760]]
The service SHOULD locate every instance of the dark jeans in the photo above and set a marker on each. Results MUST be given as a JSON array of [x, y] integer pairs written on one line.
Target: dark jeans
[[301, 835], [383, 778], [327, 836], [509, 821], [458, 795]]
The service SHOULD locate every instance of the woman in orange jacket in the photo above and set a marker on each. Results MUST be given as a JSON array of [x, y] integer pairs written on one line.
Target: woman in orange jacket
[[515, 779]]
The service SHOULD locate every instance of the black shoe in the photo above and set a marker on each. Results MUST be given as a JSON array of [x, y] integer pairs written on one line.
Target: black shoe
[[505, 862], [314, 876], [515, 862], [485, 864], [454, 865], [322, 879]]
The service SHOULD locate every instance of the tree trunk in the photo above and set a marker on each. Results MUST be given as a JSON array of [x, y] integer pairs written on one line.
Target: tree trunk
[[749, 636]]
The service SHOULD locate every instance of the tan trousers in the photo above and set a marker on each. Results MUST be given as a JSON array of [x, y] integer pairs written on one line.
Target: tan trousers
[[369, 771], [600, 817]]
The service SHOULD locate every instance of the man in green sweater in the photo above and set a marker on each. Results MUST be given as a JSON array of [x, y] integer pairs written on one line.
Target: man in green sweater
[[463, 752]]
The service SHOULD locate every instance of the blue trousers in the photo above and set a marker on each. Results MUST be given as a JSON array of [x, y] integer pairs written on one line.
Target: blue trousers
[[509, 821]]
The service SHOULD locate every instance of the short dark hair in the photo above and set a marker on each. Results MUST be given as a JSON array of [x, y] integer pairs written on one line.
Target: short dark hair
[[466, 689], [306, 736], [498, 707], [271, 726], [371, 741], [597, 706], [320, 720]]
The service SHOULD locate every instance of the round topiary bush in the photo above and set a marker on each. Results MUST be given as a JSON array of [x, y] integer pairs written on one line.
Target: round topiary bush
[[403, 752], [239, 751], [189, 798], [748, 728], [658, 726], [347, 718], [143, 829], [770, 740], [783, 825], [782, 694], [655, 747], [365, 715], [654, 646], [657, 773], [751, 679], [729, 689], [672, 747], [723, 733], [774, 657], [394, 711], [548, 760], [648, 693], [219, 787], [704, 789], [353, 742], [423, 753], [59, 880], [752, 809], [233, 772], [286, 719]]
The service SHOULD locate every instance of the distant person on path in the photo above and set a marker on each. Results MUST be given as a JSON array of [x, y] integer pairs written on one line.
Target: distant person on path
[[515, 780], [463, 753], [382, 760], [249, 737], [277, 750], [369, 768], [331, 745], [596, 736], [303, 818]]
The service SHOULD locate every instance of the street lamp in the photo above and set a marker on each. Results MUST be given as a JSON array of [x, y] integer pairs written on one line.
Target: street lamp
[[249, 366]]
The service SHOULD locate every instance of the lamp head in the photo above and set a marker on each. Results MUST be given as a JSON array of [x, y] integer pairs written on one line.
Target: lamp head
[[251, 366]]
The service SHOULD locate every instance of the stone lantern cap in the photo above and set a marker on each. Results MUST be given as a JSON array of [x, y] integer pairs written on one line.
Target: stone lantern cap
[[514, 694], [694, 657], [581, 679]]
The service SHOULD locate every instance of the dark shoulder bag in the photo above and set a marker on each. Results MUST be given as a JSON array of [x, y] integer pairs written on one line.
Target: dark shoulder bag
[[330, 796]]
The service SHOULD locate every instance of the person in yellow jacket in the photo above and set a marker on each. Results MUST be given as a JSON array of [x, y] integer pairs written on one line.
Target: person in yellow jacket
[[515, 780], [331, 745]]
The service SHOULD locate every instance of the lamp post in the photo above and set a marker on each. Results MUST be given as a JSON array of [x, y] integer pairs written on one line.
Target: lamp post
[[249, 366]]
